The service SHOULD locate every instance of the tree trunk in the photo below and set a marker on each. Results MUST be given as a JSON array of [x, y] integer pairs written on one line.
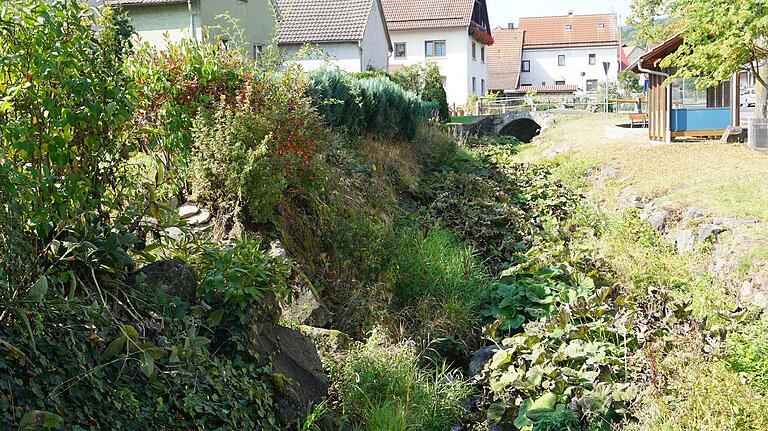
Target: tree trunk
[[761, 98]]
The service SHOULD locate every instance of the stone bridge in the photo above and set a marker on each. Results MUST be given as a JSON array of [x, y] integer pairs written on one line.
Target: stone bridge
[[524, 125]]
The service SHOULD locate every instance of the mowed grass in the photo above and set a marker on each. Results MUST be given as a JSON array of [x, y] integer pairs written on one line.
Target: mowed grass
[[726, 179]]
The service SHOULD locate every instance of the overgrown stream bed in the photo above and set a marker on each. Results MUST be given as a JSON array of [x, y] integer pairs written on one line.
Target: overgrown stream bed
[[192, 240]]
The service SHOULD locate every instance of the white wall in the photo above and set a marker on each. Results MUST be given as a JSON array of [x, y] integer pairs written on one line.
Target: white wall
[[347, 56], [544, 65], [477, 68], [375, 44], [457, 66]]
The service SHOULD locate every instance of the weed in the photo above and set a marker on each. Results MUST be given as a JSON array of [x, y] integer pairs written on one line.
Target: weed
[[382, 387], [440, 278]]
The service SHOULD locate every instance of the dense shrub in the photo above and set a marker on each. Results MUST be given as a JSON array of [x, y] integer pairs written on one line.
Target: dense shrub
[[375, 105], [435, 92]]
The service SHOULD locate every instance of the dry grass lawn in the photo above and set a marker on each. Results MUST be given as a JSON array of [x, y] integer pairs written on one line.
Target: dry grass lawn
[[725, 179]]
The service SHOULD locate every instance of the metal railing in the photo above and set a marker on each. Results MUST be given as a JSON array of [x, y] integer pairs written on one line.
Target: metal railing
[[500, 105]]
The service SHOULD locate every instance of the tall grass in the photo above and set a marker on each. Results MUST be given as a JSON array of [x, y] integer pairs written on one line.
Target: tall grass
[[441, 278], [381, 387]]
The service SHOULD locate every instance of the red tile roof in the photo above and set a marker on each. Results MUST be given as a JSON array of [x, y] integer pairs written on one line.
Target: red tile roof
[[505, 58], [423, 14], [544, 89], [570, 30]]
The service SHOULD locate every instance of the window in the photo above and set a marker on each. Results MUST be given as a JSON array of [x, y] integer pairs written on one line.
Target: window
[[591, 84], [543, 83], [600, 25], [526, 66], [559, 82], [592, 59], [474, 84], [474, 51], [400, 50], [434, 48], [568, 26], [561, 60], [525, 85], [482, 87], [257, 50], [482, 54]]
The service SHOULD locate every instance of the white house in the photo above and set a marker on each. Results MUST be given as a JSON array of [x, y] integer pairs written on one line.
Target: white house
[[454, 34], [569, 51], [351, 34]]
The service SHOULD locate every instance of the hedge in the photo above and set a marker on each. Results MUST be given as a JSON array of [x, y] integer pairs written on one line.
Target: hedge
[[372, 105]]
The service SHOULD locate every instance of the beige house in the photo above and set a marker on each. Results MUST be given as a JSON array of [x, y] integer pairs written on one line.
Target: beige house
[[161, 22]]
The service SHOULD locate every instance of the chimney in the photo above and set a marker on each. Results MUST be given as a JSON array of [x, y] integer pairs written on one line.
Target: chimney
[[570, 13], [511, 25]]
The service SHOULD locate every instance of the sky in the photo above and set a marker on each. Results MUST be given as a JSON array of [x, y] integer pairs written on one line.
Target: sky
[[502, 12]]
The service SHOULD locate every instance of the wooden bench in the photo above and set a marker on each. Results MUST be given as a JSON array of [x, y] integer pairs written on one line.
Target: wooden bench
[[638, 119]]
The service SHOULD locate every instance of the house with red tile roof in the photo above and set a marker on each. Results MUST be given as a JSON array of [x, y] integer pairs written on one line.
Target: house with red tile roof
[[454, 34], [350, 34], [569, 50], [555, 54]]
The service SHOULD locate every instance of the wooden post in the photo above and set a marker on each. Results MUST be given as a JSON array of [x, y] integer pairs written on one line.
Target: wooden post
[[736, 100]]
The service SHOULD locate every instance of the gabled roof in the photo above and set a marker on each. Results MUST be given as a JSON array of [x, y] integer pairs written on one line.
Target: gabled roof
[[425, 14], [505, 58], [570, 31], [651, 59], [319, 21]]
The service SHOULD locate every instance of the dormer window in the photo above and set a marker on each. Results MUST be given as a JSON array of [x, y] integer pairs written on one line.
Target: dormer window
[[568, 27], [600, 25]]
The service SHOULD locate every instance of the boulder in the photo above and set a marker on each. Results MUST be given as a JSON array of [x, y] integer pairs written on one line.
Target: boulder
[[298, 372], [684, 241], [202, 217], [173, 277], [731, 222], [174, 233], [188, 210], [480, 358], [656, 217], [306, 307], [693, 213], [755, 291], [330, 343], [708, 231]]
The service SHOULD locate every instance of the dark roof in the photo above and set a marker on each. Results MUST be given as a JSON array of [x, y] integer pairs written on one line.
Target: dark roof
[[570, 30], [425, 14], [316, 21], [143, 2], [505, 59]]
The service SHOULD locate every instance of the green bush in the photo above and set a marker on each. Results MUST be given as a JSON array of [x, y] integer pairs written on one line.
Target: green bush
[[382, 387], [435, 92], [375, 105]]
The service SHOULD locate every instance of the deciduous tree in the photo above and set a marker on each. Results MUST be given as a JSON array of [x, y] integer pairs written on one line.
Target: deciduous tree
[[720, 37]]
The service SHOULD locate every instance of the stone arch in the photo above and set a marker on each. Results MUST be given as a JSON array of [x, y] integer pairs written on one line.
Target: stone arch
[[524, 129]]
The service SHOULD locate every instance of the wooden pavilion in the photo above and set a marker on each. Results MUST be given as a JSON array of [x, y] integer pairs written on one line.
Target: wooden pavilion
[[666, 121]]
